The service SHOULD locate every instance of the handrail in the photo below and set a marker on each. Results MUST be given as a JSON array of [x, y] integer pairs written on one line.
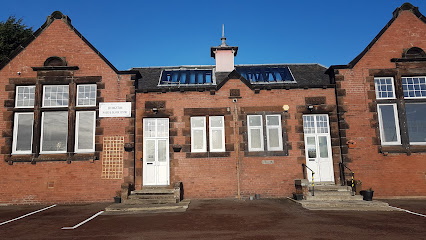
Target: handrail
[[304, 176], [342, 169]]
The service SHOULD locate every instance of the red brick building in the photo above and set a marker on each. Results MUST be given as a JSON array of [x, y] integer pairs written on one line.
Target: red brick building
[[54, 145], [75, 129], [257, 126], [382, 107]]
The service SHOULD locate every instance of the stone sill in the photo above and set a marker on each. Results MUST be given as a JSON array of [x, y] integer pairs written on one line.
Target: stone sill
[[52, 157], [385, 150]]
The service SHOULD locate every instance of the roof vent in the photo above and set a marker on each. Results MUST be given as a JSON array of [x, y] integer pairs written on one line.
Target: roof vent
[[414, 52], [224, 55], [55, 62]]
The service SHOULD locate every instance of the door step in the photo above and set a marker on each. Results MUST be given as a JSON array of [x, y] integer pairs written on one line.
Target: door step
[[319, 188], [328, 197], [151, 190], [125, 208], [335, 197], [347, 205], [149, 199], [331, 193]]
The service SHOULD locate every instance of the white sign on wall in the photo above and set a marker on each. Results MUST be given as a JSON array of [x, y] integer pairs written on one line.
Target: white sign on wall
[[115, 109]]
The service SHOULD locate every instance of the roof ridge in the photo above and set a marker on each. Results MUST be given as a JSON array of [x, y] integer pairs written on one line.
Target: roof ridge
[[237, 65], [179, 66], [279, 64]]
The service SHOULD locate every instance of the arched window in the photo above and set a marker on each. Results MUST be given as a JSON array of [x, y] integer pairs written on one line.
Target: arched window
[[414, 52], [55, 62]]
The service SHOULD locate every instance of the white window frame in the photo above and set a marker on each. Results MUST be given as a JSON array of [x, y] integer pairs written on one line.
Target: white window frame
[[77, 124], [423, 97], [204, 149], [15, 133], [41, 136], [78, 91], [396, 119], [16, 96], [377, 89], [414, 143], [280, 139], [222, 129], [249, 130], [44, 92]]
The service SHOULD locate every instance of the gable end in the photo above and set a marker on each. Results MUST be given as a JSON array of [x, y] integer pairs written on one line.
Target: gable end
[[50, 19], [404, 7]]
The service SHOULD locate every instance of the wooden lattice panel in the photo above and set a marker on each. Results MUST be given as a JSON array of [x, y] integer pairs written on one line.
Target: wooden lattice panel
[[112, 157]]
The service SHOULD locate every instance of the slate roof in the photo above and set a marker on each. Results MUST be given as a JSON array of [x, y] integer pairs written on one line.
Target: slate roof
[[305, 76]]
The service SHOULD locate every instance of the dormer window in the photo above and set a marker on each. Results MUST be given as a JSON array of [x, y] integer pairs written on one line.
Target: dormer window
[[186, 77], [262, 75]]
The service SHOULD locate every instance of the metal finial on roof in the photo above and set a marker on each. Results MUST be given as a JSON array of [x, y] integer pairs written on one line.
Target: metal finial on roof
[[223, 37]]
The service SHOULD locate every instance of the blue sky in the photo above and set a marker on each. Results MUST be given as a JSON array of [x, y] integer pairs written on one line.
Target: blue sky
[[170, 33]]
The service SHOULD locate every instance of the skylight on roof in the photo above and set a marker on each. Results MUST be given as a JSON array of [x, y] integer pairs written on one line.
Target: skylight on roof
[[169, 77], [266, 74]]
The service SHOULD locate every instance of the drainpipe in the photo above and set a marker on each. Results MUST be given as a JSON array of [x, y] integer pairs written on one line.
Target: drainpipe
[[333, 80], [237, 148]]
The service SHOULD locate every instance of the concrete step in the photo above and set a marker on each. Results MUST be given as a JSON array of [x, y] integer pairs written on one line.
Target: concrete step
[[152, 196], [348, 205], [330, 188], [332, 197], [331, 193], [153, 191], [150, 201], [118, 208]]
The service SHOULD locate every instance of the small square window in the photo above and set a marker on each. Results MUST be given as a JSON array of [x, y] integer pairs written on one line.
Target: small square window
[[414, 87], [25, 96], [384, 88], [86, 95], [55, 95]]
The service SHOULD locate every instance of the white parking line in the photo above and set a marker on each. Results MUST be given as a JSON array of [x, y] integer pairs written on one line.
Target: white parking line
[[85, 221], [418, 214], [26, 215]]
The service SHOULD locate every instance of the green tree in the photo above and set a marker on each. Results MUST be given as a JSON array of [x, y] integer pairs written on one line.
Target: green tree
[[12, 33]]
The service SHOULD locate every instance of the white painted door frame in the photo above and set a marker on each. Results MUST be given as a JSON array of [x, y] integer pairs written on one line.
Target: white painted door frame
[[318, 147], [156, 162]]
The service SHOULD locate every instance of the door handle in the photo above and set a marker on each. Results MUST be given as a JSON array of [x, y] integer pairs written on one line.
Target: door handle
[[149, 163]]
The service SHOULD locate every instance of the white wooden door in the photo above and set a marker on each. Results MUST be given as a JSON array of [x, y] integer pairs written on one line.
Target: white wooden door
[[318, 147], [156, 151]]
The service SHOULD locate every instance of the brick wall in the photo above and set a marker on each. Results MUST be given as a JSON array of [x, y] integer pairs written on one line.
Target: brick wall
[[389, 173], [208, 175], [44, 180]]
